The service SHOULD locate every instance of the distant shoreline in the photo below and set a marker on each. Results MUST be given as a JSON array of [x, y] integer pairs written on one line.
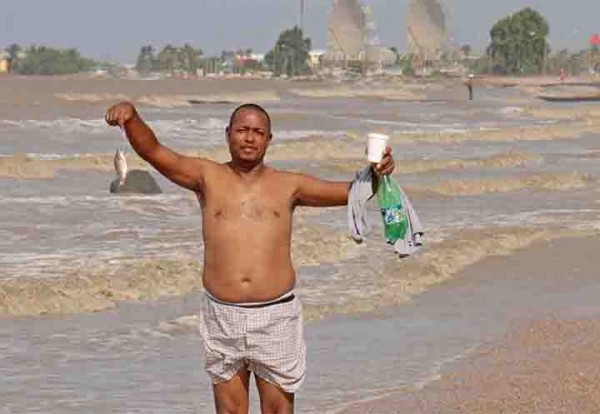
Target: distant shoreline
[[482, 80]]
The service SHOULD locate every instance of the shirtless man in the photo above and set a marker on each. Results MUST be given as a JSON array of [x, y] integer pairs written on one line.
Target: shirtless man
[[251, 319]]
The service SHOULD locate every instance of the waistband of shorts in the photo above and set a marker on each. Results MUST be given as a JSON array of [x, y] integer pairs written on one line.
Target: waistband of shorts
[[285, 298]]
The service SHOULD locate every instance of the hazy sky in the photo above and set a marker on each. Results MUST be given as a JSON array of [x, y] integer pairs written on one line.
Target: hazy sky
[[116, 29]]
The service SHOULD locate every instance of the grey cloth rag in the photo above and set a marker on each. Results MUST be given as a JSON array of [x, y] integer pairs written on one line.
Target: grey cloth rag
[[361, 191]]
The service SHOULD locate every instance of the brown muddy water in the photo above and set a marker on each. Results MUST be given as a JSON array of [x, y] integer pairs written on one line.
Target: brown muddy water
[[487, 177]]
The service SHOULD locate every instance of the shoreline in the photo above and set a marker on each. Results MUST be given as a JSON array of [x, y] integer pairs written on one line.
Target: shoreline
[[546, 362]]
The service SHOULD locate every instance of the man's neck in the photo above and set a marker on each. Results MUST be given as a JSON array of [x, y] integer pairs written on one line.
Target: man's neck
[[247, 170]]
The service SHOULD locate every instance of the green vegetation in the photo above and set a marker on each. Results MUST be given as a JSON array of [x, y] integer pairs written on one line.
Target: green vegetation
[[405, 63], [573, 63], [170, 59], [42, 60], [290, 54], [519, 43]]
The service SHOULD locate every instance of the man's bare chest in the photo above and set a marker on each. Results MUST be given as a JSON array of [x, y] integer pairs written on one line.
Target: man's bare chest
[[258, 203]]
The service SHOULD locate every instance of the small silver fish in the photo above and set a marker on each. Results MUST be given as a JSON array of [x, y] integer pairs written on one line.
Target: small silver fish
[[121, 166]]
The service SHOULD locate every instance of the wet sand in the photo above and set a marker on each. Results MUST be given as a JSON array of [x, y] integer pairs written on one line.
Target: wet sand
[[545, 363]]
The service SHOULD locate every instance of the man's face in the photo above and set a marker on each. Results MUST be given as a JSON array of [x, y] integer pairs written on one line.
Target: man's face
[[248, 136]]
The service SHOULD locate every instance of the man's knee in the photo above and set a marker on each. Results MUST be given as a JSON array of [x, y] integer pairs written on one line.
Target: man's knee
[[277, 406], [231, 397], [273, 400], [230, 406]]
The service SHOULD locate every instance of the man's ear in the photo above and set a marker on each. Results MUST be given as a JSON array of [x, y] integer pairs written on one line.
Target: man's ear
[[227, 132]]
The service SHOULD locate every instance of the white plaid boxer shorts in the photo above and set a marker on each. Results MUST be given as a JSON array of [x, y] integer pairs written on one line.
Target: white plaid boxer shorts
[[266, 339]]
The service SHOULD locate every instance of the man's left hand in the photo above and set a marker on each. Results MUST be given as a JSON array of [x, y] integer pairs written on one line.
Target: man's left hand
[[387, 164]]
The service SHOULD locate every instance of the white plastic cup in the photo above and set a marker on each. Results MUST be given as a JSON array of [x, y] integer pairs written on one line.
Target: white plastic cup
[[376, 146]]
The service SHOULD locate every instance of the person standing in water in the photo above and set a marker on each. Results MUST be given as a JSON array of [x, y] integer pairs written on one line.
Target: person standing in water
[[251, 320], [470, 86]]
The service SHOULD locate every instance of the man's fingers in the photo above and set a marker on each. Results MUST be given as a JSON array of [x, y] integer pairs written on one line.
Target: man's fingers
[[115, 119], [387, 164], [110, 118], [388, 170], [119, 114]]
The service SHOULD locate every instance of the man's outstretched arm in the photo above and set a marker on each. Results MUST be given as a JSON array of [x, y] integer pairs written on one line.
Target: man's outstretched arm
[[185, 171], [311, 191]]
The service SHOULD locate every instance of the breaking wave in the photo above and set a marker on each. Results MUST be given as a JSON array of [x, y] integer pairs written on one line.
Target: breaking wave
[[543, 132], [546, 181], [362, 281], [169, 101], [351, 91], [391, 282], [26, 166], [507, 159], [95, 287]]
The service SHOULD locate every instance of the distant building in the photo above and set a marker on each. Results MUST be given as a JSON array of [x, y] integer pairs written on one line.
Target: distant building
[[314, 58], [259, 57], [3, 63]]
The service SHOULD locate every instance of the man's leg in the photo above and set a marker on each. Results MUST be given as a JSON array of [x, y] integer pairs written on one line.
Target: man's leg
[[274, 400], [231, 397]]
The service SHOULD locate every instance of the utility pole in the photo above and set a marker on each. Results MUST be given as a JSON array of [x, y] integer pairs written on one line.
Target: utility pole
[[302, 16]]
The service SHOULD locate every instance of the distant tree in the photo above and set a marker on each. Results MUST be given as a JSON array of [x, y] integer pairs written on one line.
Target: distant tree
[[290, 54], [594, 53], [518, 43], [394, 49], [466, 50], [13, 52], [572, 63], [481, 65], [44, 60], [189, 59], [168, 59], [406, 64], [146, 60]]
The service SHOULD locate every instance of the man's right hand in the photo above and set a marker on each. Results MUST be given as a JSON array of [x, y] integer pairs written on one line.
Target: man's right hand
[[120, 114]]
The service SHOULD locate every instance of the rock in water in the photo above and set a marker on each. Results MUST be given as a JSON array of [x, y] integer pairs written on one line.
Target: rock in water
[[137, 182]]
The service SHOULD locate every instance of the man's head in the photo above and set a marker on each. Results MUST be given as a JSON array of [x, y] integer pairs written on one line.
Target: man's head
[[249, 133]]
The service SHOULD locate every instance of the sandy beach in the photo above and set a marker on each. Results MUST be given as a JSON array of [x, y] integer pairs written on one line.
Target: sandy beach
[[547, 362]]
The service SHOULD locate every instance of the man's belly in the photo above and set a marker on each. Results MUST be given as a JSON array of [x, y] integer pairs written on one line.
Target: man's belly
[[250, 276]]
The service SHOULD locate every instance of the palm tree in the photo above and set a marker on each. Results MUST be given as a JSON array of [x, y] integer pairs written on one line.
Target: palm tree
[[13, 56]]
